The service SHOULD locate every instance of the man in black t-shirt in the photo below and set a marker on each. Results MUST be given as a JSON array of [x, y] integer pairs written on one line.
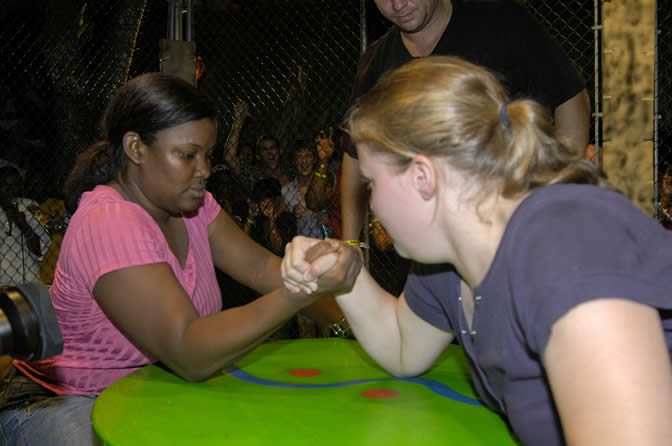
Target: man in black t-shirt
[[498, 35]]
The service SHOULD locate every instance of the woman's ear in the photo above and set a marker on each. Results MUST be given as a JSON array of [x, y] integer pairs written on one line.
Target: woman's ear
[[133, 147], [423, 176]]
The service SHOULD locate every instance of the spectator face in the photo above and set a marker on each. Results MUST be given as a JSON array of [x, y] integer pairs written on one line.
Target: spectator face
[[172, 171], [10, 185], [666, 189], [410, 16], [305, 161], [246, 153], [269, 153], [266, 207]]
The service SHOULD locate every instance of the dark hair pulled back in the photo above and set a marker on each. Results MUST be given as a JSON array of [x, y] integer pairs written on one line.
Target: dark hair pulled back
[[146, 104]]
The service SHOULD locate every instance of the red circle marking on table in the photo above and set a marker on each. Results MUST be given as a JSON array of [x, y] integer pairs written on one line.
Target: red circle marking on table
[[305, 373], [380, 393]]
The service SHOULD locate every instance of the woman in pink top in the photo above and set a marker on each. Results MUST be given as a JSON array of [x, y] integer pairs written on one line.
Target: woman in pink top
[[135, 281]]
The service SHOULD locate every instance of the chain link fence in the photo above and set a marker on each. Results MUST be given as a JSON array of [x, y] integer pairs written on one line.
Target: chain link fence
[[571, 22], [61, 61], [663, 113], [288, 64]]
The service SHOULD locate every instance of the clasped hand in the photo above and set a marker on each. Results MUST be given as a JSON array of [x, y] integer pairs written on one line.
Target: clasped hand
[[320, 267]]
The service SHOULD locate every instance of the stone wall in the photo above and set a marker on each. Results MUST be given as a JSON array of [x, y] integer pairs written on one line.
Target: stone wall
[[628, 90]]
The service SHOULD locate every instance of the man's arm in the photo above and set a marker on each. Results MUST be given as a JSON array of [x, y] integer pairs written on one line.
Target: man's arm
[[354, 198], [572, 121]]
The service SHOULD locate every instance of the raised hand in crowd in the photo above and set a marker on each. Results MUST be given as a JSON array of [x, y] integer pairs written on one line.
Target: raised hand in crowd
[[320, 189], [241, 112]]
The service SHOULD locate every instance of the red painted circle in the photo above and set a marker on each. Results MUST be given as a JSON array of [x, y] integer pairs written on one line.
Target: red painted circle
[[305, 373], [380, 393]]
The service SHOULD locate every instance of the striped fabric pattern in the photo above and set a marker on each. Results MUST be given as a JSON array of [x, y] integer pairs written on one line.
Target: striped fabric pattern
[[108, 233]]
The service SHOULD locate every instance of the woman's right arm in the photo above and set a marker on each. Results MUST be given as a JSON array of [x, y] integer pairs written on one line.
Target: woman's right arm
[[391, 333], [151, 308]]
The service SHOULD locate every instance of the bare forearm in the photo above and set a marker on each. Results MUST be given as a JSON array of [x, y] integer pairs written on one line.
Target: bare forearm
[[354, 199], [267, 278], [319, 190], [324, 311], [372, 314], [231, 148], [212, 343]]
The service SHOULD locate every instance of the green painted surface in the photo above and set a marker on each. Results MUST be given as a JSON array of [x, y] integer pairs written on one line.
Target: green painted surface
[[153, 406]]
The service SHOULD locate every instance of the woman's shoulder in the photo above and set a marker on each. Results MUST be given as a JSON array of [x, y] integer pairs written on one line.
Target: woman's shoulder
[[564, 202], [106, 208]]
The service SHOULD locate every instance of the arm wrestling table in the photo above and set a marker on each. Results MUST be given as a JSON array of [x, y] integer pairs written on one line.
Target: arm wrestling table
[[309, 391]]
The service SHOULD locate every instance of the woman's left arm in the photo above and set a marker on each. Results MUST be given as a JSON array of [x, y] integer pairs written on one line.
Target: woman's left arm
[[610, 374]]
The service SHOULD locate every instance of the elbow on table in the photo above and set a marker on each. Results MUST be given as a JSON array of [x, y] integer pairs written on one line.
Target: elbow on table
[[402, 371], [195, 372], [190, 374], [412, 373], [411, 368]]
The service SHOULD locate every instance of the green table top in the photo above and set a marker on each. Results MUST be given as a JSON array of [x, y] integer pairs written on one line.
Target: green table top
[[309, 391]]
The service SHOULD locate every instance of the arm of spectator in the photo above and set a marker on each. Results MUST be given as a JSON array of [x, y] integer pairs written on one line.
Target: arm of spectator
[[572, 121], [252, 212], [240, 114], [354, 198], [320, 187], [35, 237], [381, 238], [275, 237]]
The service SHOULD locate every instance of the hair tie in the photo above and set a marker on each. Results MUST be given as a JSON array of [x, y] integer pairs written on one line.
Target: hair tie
[[503, 117]]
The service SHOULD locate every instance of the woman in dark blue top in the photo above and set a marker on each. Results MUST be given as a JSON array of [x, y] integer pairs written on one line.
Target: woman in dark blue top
[[557, 287]]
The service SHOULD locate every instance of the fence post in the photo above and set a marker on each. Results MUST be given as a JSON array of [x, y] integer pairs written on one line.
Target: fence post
[[178, 51]]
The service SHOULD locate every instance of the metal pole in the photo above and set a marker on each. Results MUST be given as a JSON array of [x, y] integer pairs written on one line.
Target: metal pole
[[597, 95], [363, 39], [179, 22], [170, 24], [656, 119], [189, 23]]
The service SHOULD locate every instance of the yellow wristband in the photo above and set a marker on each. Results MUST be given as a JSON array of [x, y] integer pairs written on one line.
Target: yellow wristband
[[238, 126], [321, 175], [352, 242], [251, 221]]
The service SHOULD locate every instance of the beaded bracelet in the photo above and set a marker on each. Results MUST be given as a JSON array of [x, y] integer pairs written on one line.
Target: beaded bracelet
[[356, 243], [338, 330]]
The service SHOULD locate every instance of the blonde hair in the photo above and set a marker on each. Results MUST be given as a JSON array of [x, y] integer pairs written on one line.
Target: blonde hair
[[447, 108]]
